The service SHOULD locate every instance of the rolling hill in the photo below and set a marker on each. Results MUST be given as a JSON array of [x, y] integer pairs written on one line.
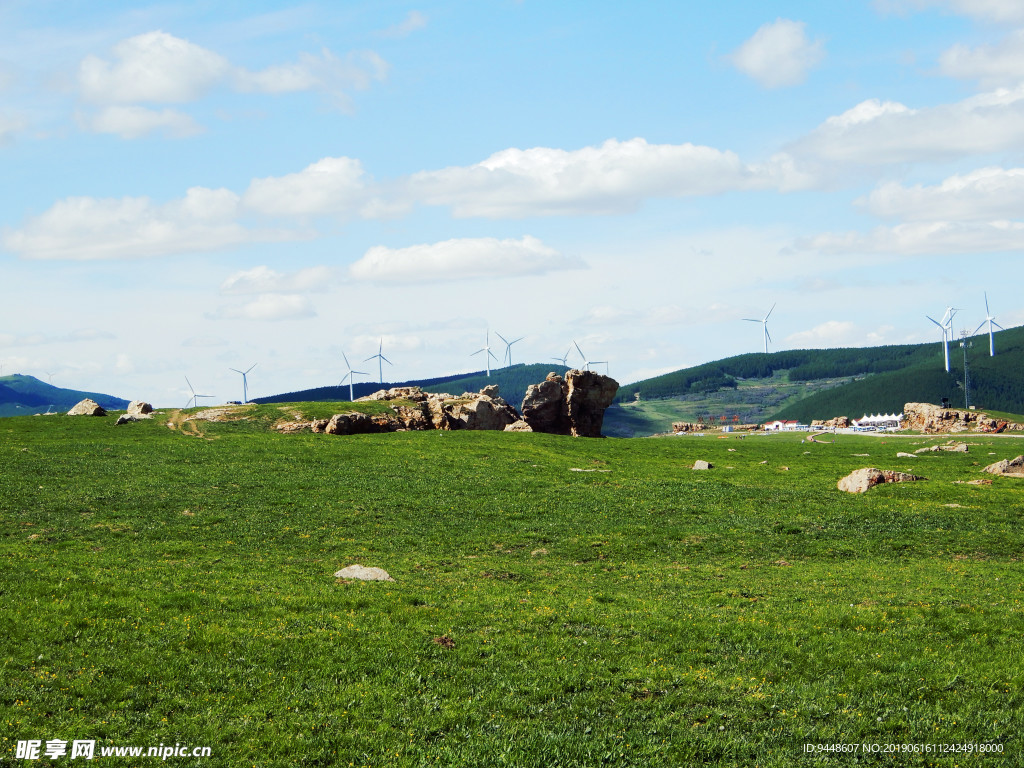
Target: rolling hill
[[822, 383], [22, 395]]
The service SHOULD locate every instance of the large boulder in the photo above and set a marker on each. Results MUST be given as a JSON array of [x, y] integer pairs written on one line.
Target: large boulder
[[544, 407], [861, 480], [87, 407], [139, 408], [476, 411], [588, 397], [573, 406]]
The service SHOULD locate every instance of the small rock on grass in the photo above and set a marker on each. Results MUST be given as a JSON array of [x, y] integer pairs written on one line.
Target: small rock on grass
[[701, 464], [862, 479], [362, 573]]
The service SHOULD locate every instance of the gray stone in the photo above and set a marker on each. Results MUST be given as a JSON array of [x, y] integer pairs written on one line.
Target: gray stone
[[363, 573], [87, 407]]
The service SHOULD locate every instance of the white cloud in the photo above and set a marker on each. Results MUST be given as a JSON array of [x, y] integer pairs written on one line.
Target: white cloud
[[85, 228], [992, 65], [133, 122], [326, 72], [612, 178], [989, 10], [779, 54], [414, 20], [152, 67], [986, 194], [271, 307], [479, 258], [161, 68], [333, 185], [876, 132], [10, 125], [924, 238], [263, 280]]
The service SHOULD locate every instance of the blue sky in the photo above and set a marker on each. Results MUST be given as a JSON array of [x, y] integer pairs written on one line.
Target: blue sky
[[195, 187]]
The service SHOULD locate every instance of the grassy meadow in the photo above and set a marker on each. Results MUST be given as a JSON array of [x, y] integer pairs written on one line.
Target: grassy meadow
[[557, 601]]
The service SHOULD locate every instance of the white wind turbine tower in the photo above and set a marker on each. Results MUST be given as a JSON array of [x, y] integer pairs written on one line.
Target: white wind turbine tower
[[763, 322], [588, 363], [508, 346], [195, 397], [487, 352], [380, 360], [946, 326], [990, 319], [245, 381], [564, 359], [351, 377]]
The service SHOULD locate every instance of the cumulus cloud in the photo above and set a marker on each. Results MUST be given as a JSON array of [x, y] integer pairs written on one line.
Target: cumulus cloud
[[992, 65], [263, 280], [333, 185], [987, 194], [883, 132], [779, 54], [612, 178], [133, 122], [271, 307], [85, 228], [157, 67], [152, 67], [465, 259], [988, 10]]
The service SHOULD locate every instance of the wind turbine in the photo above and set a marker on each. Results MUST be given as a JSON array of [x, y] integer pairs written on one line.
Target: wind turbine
[[245, 381], [946, 326], [588, 363], [508, 346], [763, 322], [487, 349], [380, 360], [990, 319], [351, 377], [195, 398], [564, 359]]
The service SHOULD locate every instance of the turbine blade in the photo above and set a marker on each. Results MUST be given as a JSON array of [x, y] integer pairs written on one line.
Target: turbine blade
[[386, 360], [190, 385], [997, 325], [766, 334], [500, 337], [937, 323], [770, 312], [252, 366], [987, 312], [347, 364], [979, 327]]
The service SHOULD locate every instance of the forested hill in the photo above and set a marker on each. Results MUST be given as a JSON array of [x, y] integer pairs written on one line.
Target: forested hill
[[512, 382], [880, 378]]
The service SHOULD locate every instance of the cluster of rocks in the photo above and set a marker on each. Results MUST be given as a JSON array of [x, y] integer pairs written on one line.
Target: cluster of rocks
[[573, 406], [925, 417], [137, 410]]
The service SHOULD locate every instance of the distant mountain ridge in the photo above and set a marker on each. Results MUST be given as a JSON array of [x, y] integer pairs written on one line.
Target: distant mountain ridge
[[22, 395]]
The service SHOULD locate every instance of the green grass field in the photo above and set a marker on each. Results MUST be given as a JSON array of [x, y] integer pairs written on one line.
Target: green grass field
[[558, 601]]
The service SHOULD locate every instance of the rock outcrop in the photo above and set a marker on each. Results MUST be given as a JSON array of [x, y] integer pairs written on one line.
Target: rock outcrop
[[1007, 467], [861, 480], [839, 422], [925, 417], [573, 406], [87, 407], [429, 410]]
